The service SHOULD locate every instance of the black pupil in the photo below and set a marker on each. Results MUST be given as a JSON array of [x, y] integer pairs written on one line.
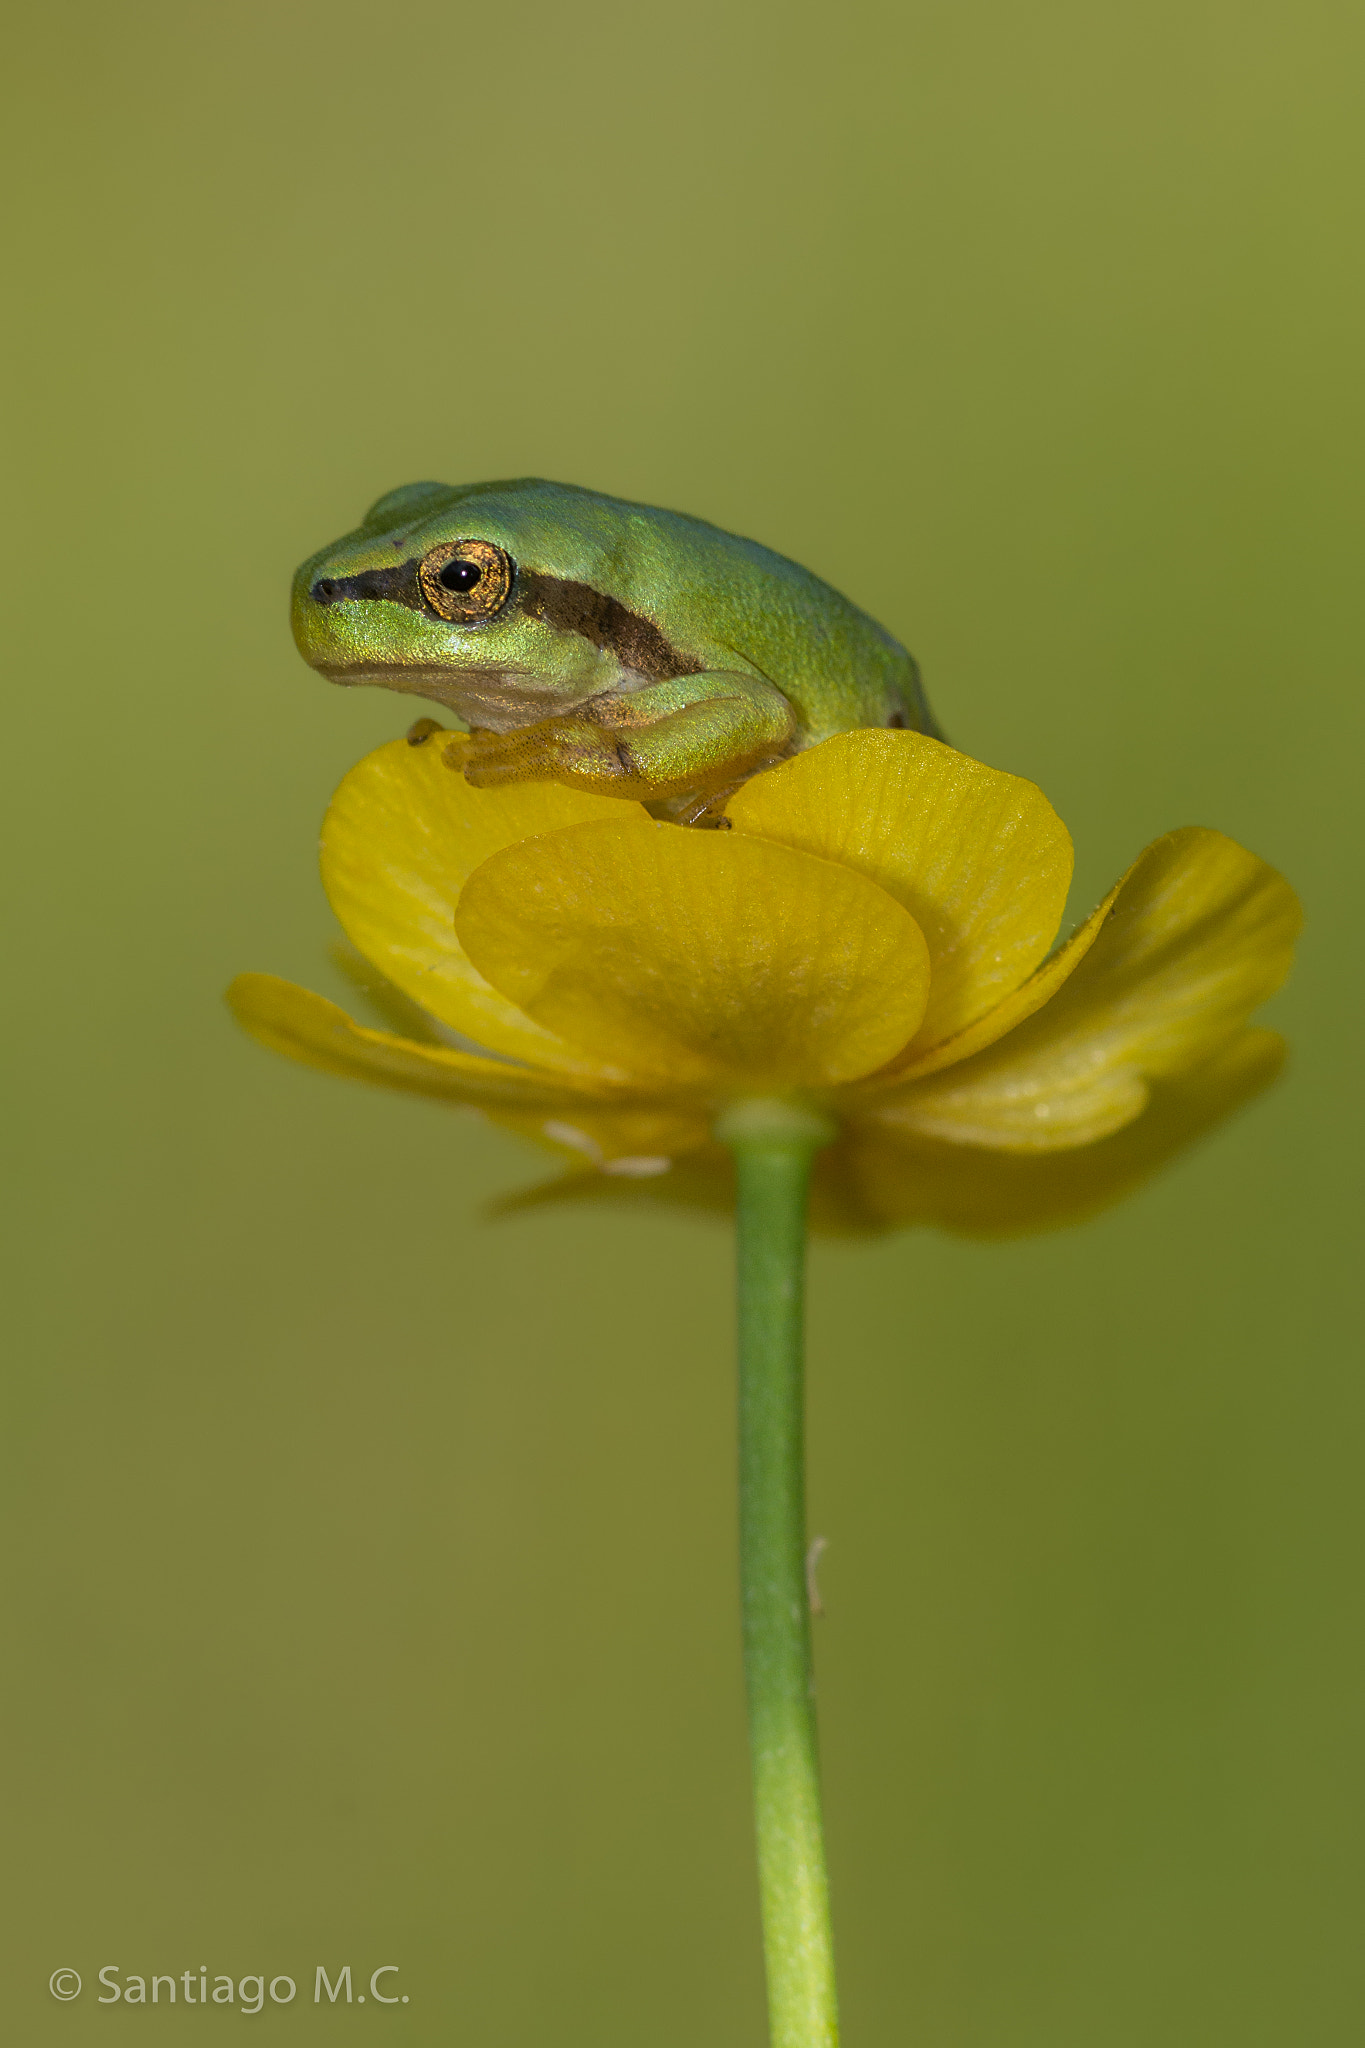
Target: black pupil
[[460, 575]]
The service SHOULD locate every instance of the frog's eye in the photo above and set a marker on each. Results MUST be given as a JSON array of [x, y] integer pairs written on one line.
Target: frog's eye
[[465, 579]]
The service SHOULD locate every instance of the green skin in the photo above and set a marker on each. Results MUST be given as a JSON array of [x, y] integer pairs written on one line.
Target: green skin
[[637, 653]]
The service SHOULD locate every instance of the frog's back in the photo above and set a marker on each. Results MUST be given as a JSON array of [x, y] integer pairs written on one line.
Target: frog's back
[[721, 601]]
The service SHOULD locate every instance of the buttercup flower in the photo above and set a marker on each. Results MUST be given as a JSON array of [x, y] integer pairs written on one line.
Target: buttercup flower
[[862, 958], [870, 938]]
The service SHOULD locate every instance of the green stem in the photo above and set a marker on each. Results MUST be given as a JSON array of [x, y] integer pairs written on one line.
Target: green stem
[[774, 1145]]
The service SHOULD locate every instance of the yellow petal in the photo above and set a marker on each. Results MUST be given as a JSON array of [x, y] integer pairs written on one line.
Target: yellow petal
[[1200, 931], [710, 958], [307, 1028], [626, 1144], [700, 1180], [1021, 1002], [403, 834], [980, 859], [883, 1179], [876, 1179]]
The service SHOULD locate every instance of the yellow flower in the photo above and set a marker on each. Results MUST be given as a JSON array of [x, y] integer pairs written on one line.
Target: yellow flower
[[870, 938]]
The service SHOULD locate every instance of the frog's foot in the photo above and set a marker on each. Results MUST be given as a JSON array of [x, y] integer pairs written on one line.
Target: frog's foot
[[691, 735], [568, 749]]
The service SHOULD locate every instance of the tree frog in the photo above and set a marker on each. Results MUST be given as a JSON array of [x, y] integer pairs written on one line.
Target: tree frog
[[609, 646]]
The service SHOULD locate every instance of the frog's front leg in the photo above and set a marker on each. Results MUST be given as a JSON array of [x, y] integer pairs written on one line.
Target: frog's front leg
[[694, 733]]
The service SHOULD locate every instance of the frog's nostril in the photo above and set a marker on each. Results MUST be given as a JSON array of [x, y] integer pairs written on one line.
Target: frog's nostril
[[324, 590]]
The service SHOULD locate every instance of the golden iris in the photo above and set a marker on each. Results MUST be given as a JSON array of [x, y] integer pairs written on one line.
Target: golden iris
[[871, 938], [465, 580]]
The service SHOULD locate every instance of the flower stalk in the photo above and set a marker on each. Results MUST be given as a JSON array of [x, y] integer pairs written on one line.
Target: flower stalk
[[774, 1147]]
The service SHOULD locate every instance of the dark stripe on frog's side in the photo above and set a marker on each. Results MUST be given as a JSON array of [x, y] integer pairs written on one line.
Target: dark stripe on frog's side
[[635, 641]]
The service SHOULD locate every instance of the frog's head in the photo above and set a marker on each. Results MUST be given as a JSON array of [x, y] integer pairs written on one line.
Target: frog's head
[[465, 595]]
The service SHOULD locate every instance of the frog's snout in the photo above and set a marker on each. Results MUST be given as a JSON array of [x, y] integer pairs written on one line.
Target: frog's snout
[[355, 624]]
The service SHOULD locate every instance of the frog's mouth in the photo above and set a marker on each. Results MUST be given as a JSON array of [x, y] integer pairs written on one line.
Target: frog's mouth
[[390, 675]]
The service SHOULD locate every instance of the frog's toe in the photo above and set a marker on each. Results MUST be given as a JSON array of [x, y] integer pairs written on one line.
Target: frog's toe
[[535, 754], [485, 759], [491, 774]]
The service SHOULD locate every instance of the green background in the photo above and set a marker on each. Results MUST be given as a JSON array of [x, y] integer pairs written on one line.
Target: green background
[[368, 1568]]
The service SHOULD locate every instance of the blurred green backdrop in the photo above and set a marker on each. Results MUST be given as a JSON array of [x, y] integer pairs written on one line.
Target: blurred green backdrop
[[369, 1567]]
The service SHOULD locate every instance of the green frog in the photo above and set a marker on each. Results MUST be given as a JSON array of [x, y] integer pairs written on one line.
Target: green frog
[[582, 639]]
